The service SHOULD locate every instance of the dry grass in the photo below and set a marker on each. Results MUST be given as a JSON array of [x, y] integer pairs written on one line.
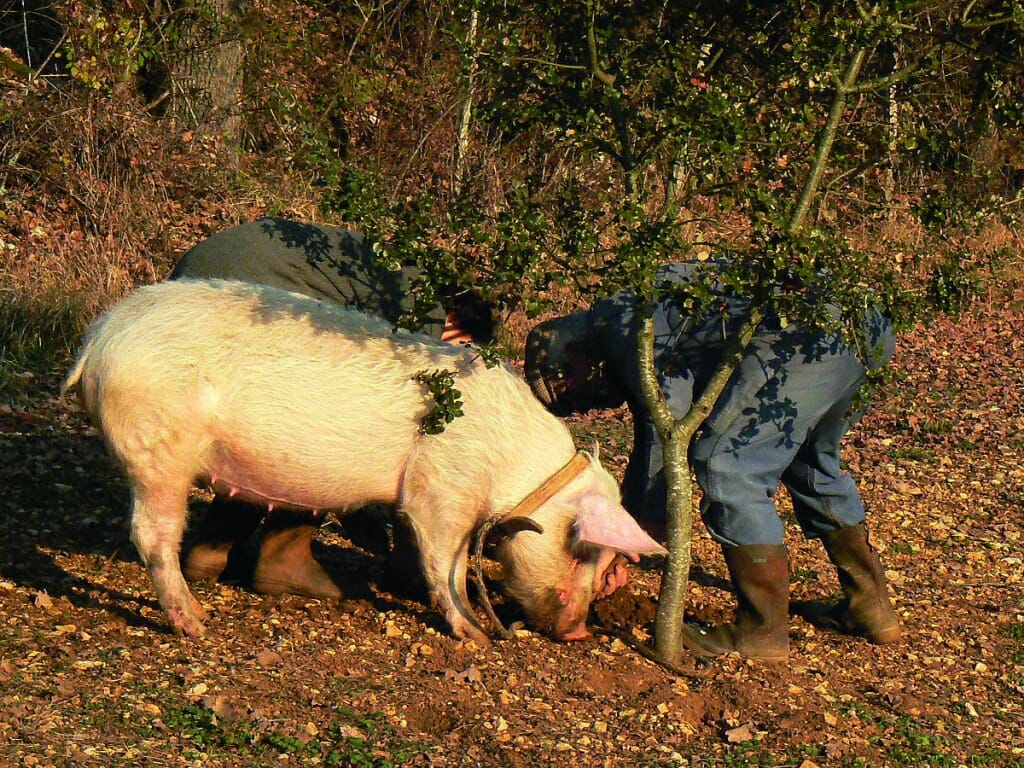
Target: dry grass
[[99, 198]]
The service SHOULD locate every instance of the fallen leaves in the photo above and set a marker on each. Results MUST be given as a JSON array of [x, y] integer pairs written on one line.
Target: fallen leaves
[[220, 706], [269, 658], [88, 671], [471, 674], [741, 733]]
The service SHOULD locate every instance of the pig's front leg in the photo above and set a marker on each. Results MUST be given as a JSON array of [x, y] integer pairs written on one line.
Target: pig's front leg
[[445, 556], [158, 522]]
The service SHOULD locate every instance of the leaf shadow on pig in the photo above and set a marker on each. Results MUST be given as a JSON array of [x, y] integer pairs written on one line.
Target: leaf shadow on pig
[[64, 527]]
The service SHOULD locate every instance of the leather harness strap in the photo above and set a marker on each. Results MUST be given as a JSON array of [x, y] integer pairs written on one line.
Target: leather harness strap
[[550, 487]]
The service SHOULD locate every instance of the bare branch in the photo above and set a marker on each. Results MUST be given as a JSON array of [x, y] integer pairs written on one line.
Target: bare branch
[[595, 65], [884, 83]]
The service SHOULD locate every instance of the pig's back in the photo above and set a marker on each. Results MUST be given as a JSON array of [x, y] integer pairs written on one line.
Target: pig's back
[[292, 398]]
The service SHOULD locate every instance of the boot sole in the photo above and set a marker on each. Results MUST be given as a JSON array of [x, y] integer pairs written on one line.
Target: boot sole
[[693, 645]]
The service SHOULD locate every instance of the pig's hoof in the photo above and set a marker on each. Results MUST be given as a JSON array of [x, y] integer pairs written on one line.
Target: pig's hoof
[[198, 612], [185, 624], [470, 632]]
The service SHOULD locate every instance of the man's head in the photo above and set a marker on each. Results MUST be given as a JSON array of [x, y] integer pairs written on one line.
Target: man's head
[[565, 370], [469, 318]]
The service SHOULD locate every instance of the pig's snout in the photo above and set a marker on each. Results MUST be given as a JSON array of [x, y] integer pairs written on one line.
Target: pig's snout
[[574, 630], [610, 574]]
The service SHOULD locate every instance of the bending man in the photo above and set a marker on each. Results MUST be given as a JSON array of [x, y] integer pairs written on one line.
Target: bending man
[[780, 419], [272, 552]]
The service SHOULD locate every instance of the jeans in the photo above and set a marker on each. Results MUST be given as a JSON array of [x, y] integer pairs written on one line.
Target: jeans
[[790, 432], [780, 418]]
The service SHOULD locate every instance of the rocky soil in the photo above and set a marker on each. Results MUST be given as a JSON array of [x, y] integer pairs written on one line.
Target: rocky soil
[[90, 674]]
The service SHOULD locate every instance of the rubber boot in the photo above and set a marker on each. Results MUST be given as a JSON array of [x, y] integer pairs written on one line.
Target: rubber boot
[[760, 629], [285, 562], [217, 539], [866, 609]]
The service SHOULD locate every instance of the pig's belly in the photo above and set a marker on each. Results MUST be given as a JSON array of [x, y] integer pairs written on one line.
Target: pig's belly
[[303, 479]]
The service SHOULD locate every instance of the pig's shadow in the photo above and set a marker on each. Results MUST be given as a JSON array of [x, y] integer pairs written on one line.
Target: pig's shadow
[[65, 497], [60, 496]]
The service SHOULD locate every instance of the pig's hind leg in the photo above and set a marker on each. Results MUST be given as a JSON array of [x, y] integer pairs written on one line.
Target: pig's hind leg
[[158, 524]]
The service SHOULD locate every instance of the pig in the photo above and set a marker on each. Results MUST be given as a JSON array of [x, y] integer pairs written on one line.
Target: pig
[[284, 400]]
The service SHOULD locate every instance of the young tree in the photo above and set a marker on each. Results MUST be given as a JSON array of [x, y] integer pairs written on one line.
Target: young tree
[[654, 131]]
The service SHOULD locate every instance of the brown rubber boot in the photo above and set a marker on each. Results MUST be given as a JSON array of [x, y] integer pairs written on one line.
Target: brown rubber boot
[[866, 609], [285, 563], [760, 630], [217, 538], [206, 560]]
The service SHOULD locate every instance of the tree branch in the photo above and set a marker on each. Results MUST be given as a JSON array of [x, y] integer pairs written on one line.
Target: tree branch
[[595, 64], [828, 136], [654, 398], [880, 83]]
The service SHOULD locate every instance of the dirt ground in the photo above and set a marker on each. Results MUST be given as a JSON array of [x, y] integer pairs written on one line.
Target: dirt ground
[[90, 674]]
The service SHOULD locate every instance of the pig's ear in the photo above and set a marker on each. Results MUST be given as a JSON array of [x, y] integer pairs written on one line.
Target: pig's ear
[[606, 524]]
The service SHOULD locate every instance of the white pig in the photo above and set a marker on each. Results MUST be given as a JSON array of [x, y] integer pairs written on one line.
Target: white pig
[[280, 399]]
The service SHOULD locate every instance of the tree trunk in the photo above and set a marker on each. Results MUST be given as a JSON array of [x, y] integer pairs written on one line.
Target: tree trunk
[[206, 69], [462, 148], [676, 435], [668, 621]]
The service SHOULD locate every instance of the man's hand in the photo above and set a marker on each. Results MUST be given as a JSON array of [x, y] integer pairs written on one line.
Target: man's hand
[[615, 573]]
